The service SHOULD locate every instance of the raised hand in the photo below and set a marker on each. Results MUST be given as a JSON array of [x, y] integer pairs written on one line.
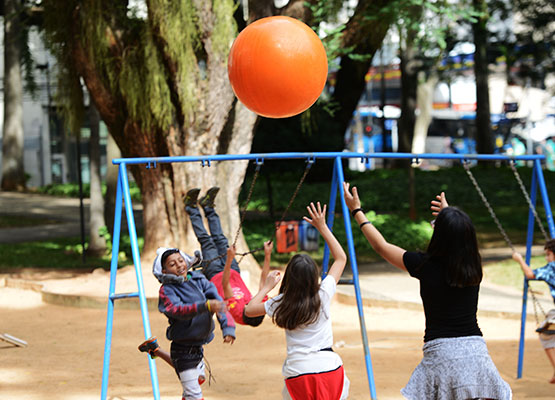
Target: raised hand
[[272, 280], [317, 216], [231, 251], [439, 204], [351, 199], [268, 246]]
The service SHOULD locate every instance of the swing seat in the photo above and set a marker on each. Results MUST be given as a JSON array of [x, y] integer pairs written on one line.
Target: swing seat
[[547, 327]]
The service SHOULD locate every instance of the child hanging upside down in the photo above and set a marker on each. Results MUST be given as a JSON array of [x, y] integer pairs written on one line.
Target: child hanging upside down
[[219, 264]]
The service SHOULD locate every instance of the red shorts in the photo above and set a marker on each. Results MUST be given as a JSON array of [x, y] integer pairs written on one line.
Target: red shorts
[[318, 386]]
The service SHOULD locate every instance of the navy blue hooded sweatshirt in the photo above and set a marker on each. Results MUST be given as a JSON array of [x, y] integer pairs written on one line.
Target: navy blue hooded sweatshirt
[[184, 303]]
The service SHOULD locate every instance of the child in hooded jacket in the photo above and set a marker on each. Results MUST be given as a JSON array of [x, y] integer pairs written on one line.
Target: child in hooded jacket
[[188, 299]]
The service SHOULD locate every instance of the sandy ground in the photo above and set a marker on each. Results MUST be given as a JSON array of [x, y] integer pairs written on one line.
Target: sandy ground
[[66, 345]]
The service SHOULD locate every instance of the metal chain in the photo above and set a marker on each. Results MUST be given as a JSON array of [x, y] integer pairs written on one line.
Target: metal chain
[[528, 200], [251, 189], [535, 301], [488, 206], [307, 169], [537, 305], [310, 161]]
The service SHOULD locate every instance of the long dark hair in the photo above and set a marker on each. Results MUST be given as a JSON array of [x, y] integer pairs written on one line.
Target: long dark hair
[[300, 303], [455, 247]]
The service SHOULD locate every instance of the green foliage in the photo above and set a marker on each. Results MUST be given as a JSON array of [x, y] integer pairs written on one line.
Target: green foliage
[[72, 190], [63, 253]]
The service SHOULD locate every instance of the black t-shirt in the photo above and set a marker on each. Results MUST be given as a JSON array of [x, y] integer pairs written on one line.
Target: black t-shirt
[[450, 311]]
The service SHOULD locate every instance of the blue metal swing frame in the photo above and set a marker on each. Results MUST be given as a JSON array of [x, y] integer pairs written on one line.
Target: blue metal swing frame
[[123, 198]]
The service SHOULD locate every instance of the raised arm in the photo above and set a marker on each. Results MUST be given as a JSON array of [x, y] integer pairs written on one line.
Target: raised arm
[[268, 246], [391, 253], [318, 220], [439, 204], [528, 272], [228, 290]]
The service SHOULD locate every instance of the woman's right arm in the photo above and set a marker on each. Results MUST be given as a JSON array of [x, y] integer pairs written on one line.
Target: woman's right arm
[[391, 253]]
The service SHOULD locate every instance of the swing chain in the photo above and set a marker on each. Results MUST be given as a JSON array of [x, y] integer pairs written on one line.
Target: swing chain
[[528, 200], [251, 189], [309, 163], [486, 203], [537, 305]]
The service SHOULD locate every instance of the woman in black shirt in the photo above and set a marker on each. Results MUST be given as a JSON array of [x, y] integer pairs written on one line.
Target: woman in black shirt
[[456, 362]]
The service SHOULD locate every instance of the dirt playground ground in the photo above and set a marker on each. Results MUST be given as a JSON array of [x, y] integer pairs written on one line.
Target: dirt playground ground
[[64, 357]]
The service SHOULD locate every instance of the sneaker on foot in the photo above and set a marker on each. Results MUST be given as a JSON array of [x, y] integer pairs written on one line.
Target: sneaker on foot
[[191, 197], [208, 199], [149, 346]]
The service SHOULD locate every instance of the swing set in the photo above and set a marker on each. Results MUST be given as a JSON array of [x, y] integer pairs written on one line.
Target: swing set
[[123, 199]]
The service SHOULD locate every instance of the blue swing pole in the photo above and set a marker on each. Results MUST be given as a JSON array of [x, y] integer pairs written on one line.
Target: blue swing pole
[[330, 218], [545, 198], [111, 291], [138, 273], [537, 180], [529, 241], [339, 178]]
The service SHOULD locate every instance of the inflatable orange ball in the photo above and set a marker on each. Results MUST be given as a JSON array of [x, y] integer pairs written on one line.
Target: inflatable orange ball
[[277, 67]]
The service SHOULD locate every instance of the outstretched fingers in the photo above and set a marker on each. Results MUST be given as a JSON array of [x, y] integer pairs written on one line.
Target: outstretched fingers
[[317, 214]]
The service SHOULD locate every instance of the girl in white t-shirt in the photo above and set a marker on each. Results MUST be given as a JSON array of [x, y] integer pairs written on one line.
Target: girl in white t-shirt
[[312, 370]]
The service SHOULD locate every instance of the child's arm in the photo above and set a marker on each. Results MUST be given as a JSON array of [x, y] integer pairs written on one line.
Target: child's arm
[[318, 220], [228, 290], [268, 246], [391, 253], [528, 272], [255, 308]]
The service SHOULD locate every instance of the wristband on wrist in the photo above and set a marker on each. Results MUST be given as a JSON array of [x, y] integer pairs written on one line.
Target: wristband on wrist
[[208, 306], [364, 223], [353, 213]]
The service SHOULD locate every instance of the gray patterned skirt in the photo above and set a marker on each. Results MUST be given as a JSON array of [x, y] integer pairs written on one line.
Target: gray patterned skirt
[[456, 369]]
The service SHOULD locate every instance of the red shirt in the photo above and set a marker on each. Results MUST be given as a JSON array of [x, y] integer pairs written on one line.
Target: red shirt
[[241, 294]]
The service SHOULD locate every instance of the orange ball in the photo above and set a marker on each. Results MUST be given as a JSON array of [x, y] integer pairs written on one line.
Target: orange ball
[[277, 67]]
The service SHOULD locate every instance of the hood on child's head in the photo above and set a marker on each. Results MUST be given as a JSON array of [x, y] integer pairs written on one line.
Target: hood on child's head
[[171, 278]]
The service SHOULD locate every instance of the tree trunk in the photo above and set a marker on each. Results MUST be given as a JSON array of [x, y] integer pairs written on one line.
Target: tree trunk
[[484, 137], [97, 244], [366, 36], [13, 173], [112, 151], [425, 102], [409, 84]]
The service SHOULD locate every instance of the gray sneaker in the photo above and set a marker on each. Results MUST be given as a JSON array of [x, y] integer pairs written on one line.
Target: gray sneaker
[[208, 199]]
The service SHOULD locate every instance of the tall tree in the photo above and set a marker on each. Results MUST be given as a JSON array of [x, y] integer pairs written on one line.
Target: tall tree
[[13, 173], [97, 244], [159, 82], [484, 137]]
